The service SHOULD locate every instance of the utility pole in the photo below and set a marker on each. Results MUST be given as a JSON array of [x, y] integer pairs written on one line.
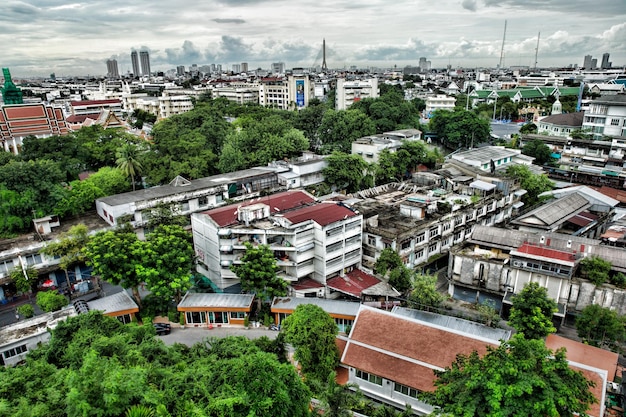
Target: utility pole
[[502, 50]]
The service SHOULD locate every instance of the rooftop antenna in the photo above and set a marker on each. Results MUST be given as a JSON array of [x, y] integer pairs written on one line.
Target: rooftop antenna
[[537, 49], [324, 67], [502, 50]]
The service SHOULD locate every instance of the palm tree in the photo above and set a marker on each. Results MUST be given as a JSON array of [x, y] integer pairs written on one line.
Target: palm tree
[[127, 161]]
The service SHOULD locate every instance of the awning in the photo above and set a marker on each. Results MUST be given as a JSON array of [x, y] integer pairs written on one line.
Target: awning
[[482, 185], [518, 205], [519, 193], [594, 158]]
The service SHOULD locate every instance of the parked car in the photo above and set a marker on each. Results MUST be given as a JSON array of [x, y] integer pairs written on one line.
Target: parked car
[[162, 328]]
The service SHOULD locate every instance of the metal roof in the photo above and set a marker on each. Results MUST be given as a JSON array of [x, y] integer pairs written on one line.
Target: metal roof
[[216, 300], [337, 307], [555, 211], [120, 301], [454, 323]]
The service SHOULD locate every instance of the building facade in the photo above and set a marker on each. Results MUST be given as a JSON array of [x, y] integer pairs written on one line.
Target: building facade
[[351, 91]]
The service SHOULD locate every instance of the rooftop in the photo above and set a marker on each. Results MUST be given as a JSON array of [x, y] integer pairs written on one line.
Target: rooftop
[[333, 307], [209, 300], [353, 283], [322, 213]]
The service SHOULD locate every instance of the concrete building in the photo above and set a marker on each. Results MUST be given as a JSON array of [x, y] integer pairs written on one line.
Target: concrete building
[[134, 59], [491, 158], [208, 310], [144, 59], [241, 93], [606, 116], [112, 69], [351, 91], [309, 239], [277, 68], [438, 102], [560, 124]]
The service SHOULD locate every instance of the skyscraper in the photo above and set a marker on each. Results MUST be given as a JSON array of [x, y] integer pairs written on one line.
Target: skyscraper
[[134, 59], [112, 70], [244, 67], [144, 57], [587, 62], [605, 61]]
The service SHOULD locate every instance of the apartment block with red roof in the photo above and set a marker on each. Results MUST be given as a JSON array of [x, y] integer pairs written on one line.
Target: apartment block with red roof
[[310, 240]]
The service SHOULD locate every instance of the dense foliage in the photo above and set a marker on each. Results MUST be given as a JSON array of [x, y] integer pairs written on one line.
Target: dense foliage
[[601, 327], [96, 366], [460, 128], [534, 184], [520, 377], [532, 310]]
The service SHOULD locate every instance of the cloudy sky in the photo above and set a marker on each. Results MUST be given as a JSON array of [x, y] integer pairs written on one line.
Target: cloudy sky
[[39, 37]]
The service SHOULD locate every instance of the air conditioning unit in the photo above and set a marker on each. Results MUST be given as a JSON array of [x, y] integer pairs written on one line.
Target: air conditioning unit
[[518, 263]]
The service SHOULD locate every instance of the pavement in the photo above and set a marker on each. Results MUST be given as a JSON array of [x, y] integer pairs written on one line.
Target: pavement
[[192, 335]]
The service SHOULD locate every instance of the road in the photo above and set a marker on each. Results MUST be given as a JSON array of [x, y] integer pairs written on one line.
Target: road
[[192, 335]]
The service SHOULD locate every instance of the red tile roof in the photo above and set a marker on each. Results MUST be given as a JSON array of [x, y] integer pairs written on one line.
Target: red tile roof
[[546, 252], [404, 350], [322, 214], [582, 219], [80, 118], [619, 195], [353, 283], [227, 216]]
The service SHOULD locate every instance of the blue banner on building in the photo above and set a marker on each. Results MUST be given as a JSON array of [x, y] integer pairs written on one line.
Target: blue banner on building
[[300, 93]]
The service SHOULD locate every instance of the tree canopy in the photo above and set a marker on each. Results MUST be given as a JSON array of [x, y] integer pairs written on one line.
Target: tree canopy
[[312, 332], [532, 310], [348, 171], [538, 150], [521, 377], [460, 128], [534, 184], [600, 326], [257, 272]]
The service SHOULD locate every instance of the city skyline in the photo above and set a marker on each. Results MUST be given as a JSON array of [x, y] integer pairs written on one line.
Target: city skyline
[[45, 36]]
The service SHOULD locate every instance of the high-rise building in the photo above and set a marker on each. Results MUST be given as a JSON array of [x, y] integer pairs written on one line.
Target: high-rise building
[[424, 64], [236, 68], [587, 62], [244, 67], [605, 61], [180, 70], [134, 59], [144, 58], [278, 67], [112, 70], [594, 63]]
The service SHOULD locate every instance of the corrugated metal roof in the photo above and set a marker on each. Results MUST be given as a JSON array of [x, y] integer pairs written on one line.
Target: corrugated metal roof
[[113, 303], [216, 300], [454, 323], [555, 211], [322, 214], [337, 307]]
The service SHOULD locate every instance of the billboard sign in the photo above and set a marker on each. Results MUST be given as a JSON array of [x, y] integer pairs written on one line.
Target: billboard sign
[[300, 93]]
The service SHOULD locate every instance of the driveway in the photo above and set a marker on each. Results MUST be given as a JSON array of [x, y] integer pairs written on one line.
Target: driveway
[[192, 335]]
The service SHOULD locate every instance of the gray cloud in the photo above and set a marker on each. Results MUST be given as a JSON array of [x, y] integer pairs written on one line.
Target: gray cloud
[[238, 21], [469, 5]]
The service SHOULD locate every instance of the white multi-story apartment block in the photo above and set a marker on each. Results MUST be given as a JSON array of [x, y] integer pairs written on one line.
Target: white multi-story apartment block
[[349, 92], [309, 239], [439, 102], [240, 93], [606, 116]]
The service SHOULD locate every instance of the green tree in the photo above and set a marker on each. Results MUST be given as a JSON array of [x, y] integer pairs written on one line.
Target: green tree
[[51, 301], [70, 247], [257, 273], [347, 171], [539, 150], [168, 262], [600, 326], [128, 161], [388, 260], [459, 128], [424, 291], [336, 400], [520, 377], [339, 129], [26, 310], [488, 314], [400, 278], [534, 184], [528, 128], [596, 269], [312, 332], [25, 280], [532, 310], [118, 256]]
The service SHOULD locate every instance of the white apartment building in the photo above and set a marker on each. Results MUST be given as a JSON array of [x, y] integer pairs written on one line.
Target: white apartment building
[[240, 93], [170, 105], [309, 239], [349, 92], [439, 102], [606, 116]]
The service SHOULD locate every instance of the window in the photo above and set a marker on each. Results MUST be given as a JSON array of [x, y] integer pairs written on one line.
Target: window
[[218, 317], [237, 314], [374, 379], [446, 226], [203, 201], [14, 352], [432, 248], [433, 232], [6, 266], [406, 245], [403, 389], [371, 240], [419, 254], [614, 122], [196, 317], [32, 259], [124, 318], [420, 238]]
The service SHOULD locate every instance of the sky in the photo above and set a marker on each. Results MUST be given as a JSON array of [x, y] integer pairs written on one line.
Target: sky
[[39, 37]]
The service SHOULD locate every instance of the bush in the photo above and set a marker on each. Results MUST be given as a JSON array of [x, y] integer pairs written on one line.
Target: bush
[[50, 301], [172, 316], [181, 318], [26, 311]]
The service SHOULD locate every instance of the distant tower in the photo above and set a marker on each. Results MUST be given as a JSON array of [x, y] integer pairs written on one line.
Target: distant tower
[[144, 58], [324, 66], [244, 67], [112, 69], [134, 59], [537, 49], [605, 61], [557, 108], [10, 93], [502, 50], [587, 62]]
